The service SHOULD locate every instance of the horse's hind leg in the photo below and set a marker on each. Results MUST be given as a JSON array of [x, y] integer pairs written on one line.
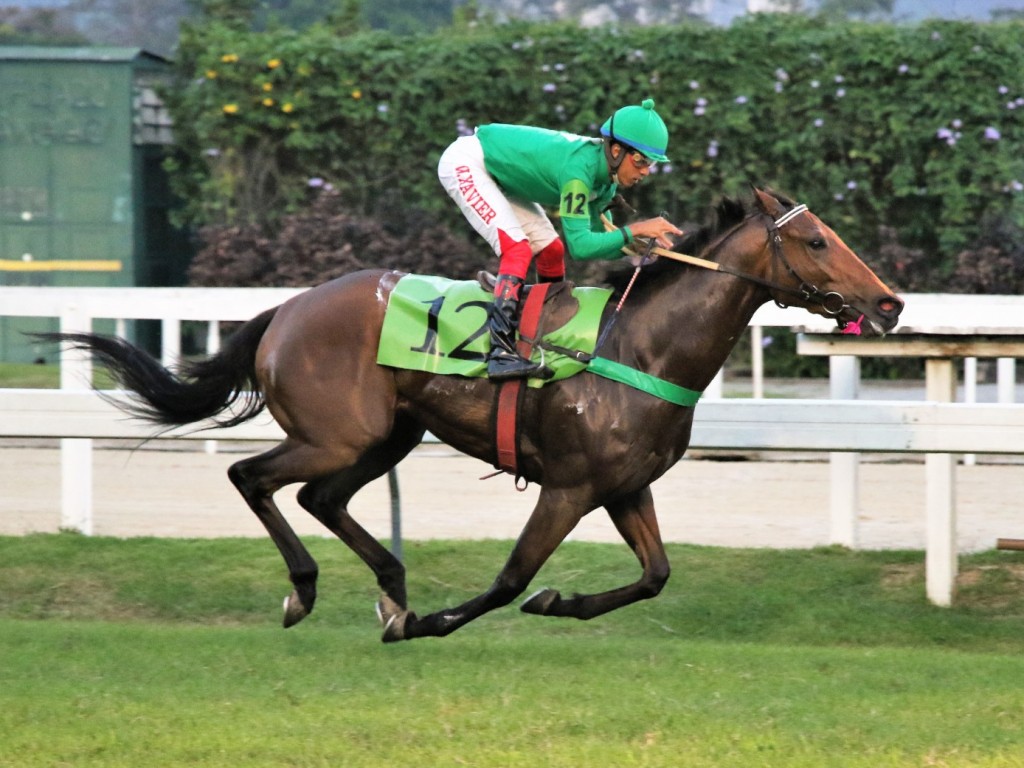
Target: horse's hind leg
[[635, 519], [327, 500], [258, 478]]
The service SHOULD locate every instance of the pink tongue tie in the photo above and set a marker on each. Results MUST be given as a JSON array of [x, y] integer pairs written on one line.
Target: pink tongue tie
[[853, 329]]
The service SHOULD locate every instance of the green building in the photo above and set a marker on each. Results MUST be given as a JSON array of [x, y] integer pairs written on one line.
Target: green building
[[84, 200]]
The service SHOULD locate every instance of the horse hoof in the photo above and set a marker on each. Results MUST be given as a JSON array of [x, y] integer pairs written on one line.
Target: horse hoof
[[394, 629], [540, 602], [294, 610], [392, 617]]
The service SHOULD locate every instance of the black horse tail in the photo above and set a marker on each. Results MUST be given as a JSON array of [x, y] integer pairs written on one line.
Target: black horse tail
[[205, 389]]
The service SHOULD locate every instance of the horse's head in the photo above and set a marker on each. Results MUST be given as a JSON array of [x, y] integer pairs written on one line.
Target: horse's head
[[811, 267]]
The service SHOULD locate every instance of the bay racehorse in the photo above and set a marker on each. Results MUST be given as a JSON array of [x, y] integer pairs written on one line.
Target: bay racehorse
[[587, 441]]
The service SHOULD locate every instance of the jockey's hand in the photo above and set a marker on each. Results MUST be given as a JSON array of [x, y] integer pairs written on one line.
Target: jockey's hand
[[658, 228]]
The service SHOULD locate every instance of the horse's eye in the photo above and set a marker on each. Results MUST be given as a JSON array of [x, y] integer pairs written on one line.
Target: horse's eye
[[818, 244]]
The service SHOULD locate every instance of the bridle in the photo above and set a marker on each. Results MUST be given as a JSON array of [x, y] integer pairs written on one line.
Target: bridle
[[831, 302]]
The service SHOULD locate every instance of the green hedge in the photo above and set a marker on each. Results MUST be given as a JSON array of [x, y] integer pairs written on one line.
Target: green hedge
[[915, 128]]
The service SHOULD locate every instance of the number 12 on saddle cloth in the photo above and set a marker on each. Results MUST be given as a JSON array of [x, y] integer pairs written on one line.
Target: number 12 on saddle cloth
[[439, 325]]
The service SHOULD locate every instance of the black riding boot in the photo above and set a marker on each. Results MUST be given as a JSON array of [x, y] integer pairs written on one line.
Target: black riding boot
[[504, 362]]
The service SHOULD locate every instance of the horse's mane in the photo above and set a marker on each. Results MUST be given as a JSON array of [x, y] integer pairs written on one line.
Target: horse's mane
[[723, 215]]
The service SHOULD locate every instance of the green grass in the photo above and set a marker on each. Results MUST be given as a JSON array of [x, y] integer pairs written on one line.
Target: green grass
[[42, 376], [169, 653], [29, 376]]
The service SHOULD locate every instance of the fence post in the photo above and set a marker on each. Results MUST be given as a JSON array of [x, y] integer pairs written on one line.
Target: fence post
[[844, 468], [212, 348], [940, 495], [75, 452], [970, 396], [396, 514], [757, 361]]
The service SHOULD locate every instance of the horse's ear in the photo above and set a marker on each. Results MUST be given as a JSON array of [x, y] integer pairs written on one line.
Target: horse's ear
[[768, 204]]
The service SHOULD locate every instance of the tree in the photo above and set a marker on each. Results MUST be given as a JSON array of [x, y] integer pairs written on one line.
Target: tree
[[38, 26], [877, 10], [148, 24]]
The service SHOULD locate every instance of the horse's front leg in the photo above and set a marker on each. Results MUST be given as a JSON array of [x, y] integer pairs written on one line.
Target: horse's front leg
[[635, 519], [554, 517]]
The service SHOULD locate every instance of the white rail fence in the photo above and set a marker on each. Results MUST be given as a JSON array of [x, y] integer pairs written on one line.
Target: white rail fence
[[77, 416]]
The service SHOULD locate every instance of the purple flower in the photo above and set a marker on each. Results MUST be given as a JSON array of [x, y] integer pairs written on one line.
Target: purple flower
[[383, 108], [958, 124], [818, 122], [741, 99], [903, 69], [992, 134], [316, 182], [815, 83], [781, 75], [701, 102], [550, 87], [713, 149], [943, 133], [694, 85], [840, 92], [851, 184], [1003, 90], [778, 87], [212, 152], [1016, 186], [698, 111]]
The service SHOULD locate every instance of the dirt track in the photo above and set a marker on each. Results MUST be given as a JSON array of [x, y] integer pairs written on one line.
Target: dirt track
[[774, 503]]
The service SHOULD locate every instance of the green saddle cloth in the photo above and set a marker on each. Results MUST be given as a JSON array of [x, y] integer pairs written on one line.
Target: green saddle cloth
[[439, 325]]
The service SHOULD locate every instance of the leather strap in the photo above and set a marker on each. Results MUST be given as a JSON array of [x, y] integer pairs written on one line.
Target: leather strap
[[508, 393]]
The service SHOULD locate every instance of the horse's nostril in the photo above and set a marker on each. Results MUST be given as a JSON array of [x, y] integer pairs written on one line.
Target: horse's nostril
[[890, 306]]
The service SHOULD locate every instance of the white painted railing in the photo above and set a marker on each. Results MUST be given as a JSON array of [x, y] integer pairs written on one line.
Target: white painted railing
[[78, 307]]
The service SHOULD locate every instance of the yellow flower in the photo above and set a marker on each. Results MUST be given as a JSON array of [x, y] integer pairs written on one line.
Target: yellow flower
[[229, 58], [273, 64], [211, 73], [268, 102], [287, 107], [305, 70], [230, 109], [268, 86], [357, 94]]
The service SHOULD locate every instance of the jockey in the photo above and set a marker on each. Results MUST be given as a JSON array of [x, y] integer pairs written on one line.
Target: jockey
[[503, 176]]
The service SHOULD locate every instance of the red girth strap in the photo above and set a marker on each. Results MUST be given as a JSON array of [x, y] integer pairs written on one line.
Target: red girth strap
[[508, 394]]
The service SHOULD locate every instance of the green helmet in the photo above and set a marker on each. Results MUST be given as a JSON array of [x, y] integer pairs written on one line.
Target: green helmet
[[641, 128]]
